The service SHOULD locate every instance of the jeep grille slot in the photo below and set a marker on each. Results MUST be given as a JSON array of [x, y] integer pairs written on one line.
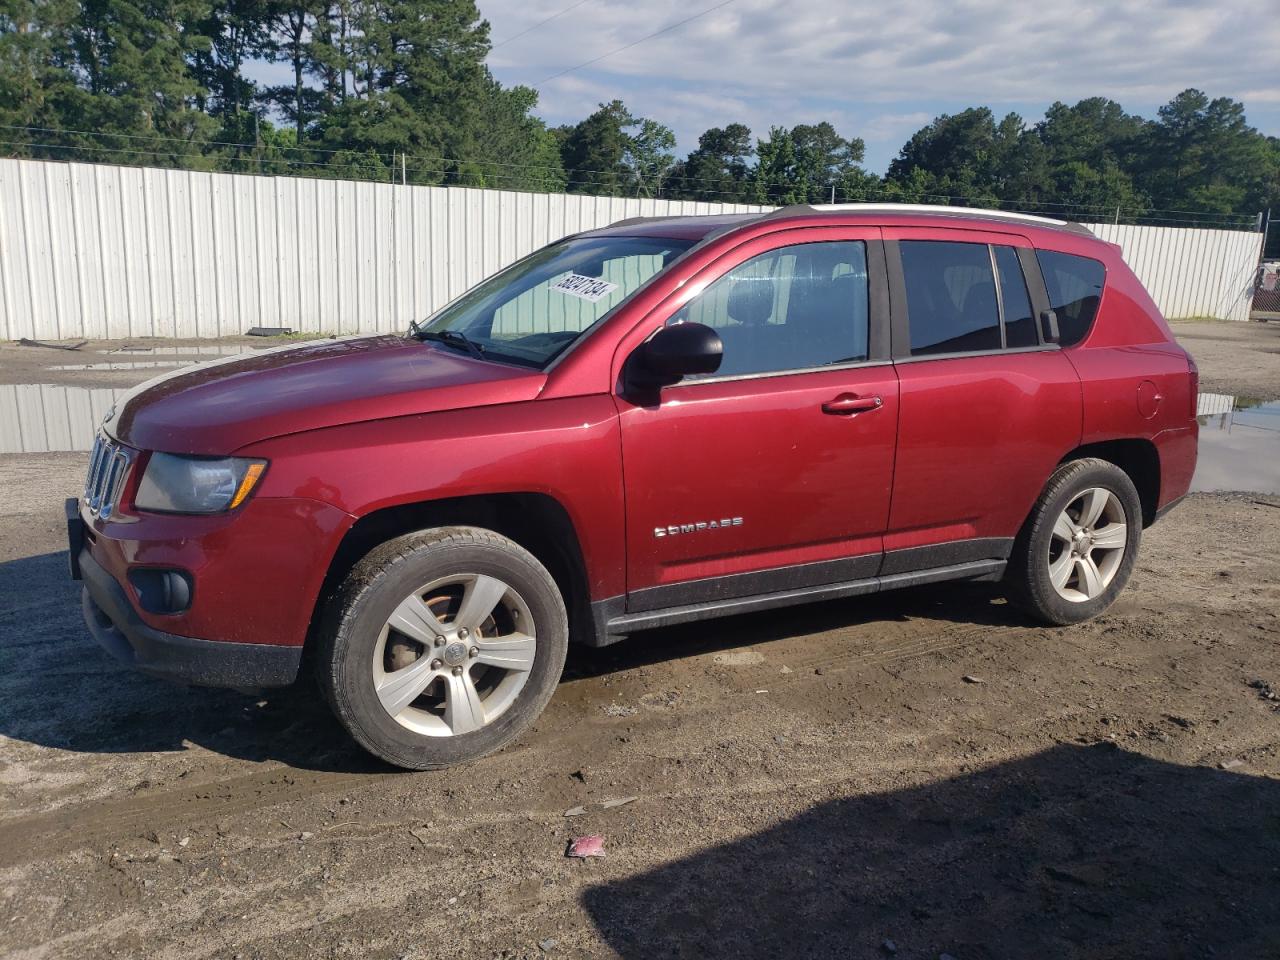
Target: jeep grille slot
[[108, 466]]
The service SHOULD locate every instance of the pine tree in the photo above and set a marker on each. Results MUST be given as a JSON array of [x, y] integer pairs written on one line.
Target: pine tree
[[413, 79], [719, 169], [36, 76], [595, 151], [136, 88], [778, 179], [296, 25]]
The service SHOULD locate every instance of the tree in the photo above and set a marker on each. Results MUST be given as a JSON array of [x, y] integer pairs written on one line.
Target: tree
[[164, 82], [778, 178], [1095, 192], [649, 155], [135, 91], [1202, 155], [824, 158], [808, 163], [408, 77], [719, 169], [1095, 131], [953, 149], [510, 148], [594, 151], [295, 25], [235, 31], [37, 82]]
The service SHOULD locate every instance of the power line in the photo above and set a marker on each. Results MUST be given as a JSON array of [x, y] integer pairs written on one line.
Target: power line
[[540, 23], [523, 173], [636, 43], [526, 167]]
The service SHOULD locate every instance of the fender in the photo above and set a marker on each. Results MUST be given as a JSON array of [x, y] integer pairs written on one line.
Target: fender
[[567, 449]]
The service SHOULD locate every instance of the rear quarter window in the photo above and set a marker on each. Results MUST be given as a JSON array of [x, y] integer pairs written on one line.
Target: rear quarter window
[[1074, 285]]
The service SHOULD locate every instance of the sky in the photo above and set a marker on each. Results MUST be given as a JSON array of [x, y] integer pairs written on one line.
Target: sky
[[881, 70]]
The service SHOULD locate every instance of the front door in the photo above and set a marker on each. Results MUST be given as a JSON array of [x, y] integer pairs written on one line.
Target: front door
[[775, 472]]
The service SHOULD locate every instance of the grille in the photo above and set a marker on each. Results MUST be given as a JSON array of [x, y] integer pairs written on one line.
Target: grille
[[108, 466]]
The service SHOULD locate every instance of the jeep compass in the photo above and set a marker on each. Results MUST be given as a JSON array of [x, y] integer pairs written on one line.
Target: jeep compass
[[661, 421]]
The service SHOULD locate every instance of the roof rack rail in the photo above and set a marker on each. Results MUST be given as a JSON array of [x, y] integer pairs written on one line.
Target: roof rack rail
[[974, 212], [632, 221]]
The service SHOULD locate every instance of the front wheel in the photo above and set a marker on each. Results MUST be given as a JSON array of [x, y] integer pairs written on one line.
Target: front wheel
[[1077, 549], [443, 646]]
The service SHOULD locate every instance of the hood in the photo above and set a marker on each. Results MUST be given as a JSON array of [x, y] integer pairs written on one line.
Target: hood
[[218, 407]]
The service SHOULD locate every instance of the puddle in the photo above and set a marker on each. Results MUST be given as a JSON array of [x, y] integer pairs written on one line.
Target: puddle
[[123, 365], [47, 418], [121, 358], [1239, 444], [197, 350]]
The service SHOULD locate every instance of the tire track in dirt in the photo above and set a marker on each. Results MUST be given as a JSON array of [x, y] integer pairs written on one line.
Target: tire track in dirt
[[69, 828], [98, 821]]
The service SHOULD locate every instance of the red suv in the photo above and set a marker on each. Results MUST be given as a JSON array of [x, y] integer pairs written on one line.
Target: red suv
[[661, 421]]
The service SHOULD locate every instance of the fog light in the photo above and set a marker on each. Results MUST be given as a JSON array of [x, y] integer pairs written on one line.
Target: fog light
[[162, 591]]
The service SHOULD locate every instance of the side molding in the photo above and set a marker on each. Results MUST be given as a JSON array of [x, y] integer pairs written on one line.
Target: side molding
[[612, 623]]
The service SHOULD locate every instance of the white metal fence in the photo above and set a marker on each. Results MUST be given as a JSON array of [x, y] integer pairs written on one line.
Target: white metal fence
[[41, 417], [95, 251], [1190, 272]]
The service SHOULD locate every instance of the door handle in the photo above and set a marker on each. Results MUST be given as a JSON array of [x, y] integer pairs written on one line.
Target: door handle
[[847, 404]]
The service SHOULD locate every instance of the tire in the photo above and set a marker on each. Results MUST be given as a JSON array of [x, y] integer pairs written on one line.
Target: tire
[[368, 668], [1043, 549]]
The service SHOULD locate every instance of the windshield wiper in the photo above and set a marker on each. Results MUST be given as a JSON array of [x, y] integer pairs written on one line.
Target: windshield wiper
[[453, 338]]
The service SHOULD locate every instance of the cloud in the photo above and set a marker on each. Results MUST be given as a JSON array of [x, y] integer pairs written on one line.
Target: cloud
[[895, 127], [882, 70]]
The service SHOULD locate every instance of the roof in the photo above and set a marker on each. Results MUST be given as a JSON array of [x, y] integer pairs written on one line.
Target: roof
[[691, 227], [700, 227]]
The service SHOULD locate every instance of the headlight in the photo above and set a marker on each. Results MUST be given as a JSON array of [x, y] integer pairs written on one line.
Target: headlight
[[174, 484]]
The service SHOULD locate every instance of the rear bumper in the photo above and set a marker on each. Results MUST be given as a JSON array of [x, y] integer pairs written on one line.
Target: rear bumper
[[116, 626]]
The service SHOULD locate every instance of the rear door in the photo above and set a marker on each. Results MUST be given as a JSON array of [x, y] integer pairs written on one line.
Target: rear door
[[774, 473], [987, 407]]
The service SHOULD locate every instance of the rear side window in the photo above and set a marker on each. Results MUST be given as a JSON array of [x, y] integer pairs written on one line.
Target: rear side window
[[951, 297], [1075, 289], [1019, 322]]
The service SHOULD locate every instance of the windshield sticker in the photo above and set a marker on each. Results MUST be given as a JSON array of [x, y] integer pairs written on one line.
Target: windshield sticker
[[584, 288]]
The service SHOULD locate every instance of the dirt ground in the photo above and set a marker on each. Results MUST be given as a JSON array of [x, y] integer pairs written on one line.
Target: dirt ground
[[1242, 359], [916, 774]]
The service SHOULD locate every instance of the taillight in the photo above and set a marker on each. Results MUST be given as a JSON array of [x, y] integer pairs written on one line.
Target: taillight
[[1194, 371]]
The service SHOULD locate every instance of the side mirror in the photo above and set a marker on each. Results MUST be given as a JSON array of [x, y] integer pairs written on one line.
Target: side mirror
[[1049, 324], [675, 352]]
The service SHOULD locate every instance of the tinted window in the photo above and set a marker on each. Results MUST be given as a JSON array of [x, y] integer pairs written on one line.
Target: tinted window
[[1075, 288], [1019, 323], [533, 310], [789, 309], [951, 297]]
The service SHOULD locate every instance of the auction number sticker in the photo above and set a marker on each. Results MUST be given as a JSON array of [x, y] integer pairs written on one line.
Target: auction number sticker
[[584, 288]]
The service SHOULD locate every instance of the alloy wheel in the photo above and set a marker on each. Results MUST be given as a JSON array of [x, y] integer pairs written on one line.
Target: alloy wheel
[[454, 655], [1087, 545]]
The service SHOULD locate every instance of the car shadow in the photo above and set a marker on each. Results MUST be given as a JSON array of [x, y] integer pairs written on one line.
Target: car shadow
[[1070, 853], [60, 690], [981, 604]]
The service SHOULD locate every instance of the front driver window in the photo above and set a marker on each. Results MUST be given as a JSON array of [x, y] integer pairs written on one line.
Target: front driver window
[[794, 308]]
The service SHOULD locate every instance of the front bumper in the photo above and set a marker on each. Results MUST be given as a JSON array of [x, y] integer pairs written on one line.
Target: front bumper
[[116, 626]]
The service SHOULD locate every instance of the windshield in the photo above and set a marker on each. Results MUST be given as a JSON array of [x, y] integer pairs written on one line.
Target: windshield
[[531, 312]]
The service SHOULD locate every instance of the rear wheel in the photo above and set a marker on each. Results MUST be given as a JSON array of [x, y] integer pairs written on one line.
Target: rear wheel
[[443, 646], [1078, 547]]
